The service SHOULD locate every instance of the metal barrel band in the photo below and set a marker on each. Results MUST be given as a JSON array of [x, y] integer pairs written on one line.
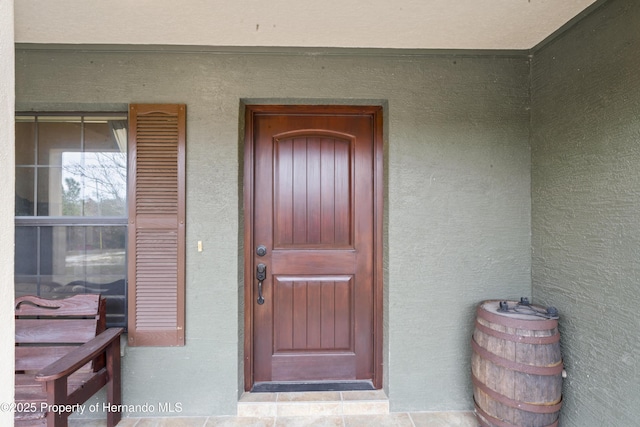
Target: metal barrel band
[[535, 325], [551, 339], [512, 403], [516, 366], [498, 422]]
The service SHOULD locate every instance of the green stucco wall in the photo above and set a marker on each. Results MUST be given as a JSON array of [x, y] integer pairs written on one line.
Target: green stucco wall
[[586, 204], [457, 196]]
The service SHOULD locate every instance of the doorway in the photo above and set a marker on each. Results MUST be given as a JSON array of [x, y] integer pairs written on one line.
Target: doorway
[[313, 246]]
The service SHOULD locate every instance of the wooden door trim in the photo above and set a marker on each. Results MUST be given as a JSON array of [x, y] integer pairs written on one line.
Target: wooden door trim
[[249, 244]]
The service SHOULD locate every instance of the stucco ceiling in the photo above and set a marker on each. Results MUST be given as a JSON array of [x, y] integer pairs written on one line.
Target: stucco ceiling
[[408, 24]]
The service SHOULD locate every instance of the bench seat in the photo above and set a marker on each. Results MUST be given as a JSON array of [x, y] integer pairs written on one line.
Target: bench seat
[[64, 355]]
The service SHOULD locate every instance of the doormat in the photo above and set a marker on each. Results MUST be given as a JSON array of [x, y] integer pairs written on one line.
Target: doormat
[[285, 387]]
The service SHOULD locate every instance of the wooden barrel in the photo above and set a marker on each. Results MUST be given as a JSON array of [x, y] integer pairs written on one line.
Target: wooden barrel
[[516, 365]]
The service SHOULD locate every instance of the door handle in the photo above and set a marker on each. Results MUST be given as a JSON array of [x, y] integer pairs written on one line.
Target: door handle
[[261, 275]]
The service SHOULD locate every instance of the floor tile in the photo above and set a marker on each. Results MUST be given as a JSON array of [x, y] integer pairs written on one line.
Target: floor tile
[[364, 402], [92, 423], [312, 408], [125, 422], [364, 395], [384, 420], [257, 409], [365, 407], [259, 397], [172, 422], [239, 422], [413, 419], [319, 421], [310, 396], [444, 419]]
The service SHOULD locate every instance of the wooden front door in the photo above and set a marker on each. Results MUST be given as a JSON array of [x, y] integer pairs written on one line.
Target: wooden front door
[[313, 218]]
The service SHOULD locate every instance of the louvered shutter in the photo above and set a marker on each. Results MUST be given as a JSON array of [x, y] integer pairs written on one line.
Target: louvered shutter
[[156, 224]]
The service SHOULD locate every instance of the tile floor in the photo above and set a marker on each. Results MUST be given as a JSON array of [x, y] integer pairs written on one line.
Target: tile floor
[[310, 409], [396, 419]]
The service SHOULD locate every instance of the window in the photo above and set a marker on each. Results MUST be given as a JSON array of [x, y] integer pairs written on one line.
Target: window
[[100, 208], [71, 207]]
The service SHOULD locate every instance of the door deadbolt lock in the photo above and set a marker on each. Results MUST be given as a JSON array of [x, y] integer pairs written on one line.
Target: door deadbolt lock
[[261, 250]]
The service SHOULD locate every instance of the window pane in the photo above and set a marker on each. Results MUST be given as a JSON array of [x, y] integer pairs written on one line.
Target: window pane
[[69, 252], [94, 184], [33, 272], [104, 134], [26, 141], [51, 192], [90, 259], [24, 191], [96, 250], [89, 184], [26, 285], [72, 260], [26, 248], [56, 136], [105, 166]]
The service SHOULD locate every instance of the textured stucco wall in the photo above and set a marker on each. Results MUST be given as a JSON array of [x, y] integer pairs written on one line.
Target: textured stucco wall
[[6, 209], [586, 209], [458, 204], [459, 218]]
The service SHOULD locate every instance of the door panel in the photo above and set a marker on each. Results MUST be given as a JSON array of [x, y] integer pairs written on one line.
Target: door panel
[[312, 206], [313, 314], [313, 191]]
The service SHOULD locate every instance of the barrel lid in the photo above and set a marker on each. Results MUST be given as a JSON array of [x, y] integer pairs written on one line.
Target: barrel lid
[[520, 312]]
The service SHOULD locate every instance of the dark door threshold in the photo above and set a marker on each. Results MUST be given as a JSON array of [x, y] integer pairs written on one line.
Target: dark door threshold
[[284, 387]]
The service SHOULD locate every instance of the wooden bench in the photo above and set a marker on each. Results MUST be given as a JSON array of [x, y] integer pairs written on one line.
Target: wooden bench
[[64, 355]]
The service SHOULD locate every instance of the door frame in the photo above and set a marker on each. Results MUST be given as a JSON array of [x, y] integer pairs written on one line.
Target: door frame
[[378, 206]]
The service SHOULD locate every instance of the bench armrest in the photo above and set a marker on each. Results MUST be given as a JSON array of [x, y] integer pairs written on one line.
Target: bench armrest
[[79, 356]]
